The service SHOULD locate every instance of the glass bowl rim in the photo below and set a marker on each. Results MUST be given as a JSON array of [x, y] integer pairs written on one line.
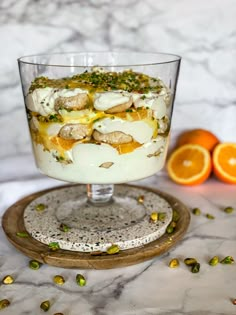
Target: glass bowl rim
[[172, 59]]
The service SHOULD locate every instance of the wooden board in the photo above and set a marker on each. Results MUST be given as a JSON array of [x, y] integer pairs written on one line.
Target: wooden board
[[13, 222]]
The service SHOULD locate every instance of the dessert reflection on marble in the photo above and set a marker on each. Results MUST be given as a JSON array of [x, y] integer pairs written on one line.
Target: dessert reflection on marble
[[99, 126]]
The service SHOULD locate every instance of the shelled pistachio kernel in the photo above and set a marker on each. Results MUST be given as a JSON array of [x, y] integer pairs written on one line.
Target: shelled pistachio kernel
[[140, 199], [175, 216], [227, 260], [228, 209], [214, 261], [58, 280], [8, 279], [154, 217], [113, 249], [64, 228], [190, 261], [196, 211], [34, 264], [45, 305], [173, 224], [195, 268], [80, 280], [54, 246], [169, 229], [22, 234], [161, 216], [40, 207], [4, 303], [174, 263], [210, 216]]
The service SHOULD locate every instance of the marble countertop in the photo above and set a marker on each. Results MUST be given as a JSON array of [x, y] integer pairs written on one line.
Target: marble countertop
[[144, 289]]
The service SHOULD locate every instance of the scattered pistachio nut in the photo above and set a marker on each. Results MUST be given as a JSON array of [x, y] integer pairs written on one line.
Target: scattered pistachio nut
[[190, 261], [154, 217], [80, 280], [64, 228], [34, 264], [8, 279], [140, 199], [40, 207], [22, 234], [196, 211], [4, 303], [54, 246], [58, 280], [175, 216], [45, 305], [169, 229], [228, 209], [113, 249], [161, 216], [227, 260], [173, 224], [214, 261], [174, 263], [210, 216], [195, 268]]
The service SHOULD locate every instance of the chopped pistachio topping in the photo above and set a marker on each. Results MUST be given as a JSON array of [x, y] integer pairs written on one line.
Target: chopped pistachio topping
[[106, 81]]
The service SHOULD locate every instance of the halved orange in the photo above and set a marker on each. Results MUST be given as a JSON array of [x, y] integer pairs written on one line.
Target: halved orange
[[189, 164], [203, 137], [224, 162]]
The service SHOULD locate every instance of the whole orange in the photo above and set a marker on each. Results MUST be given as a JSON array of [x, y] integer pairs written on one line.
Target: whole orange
[[202, 137]]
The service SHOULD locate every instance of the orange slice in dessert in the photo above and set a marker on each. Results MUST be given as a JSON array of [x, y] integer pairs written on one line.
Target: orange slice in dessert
[[134, 115], [190, 164], [224, 162], [64, 144], [126, 147]]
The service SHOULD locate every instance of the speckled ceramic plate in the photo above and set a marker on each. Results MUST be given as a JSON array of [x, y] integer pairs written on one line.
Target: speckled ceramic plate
[[125, 222]]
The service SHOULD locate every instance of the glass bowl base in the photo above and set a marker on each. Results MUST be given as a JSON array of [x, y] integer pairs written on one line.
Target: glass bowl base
[[67, 218]]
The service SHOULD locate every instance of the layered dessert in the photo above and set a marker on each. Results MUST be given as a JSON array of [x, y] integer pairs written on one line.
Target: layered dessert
[[98, 126]]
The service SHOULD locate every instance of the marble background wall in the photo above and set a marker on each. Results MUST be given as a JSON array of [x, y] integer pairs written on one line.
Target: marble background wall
[[202, 32]]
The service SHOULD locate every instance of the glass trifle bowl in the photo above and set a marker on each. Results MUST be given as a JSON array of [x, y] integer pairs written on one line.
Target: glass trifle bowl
[[98, 118]]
